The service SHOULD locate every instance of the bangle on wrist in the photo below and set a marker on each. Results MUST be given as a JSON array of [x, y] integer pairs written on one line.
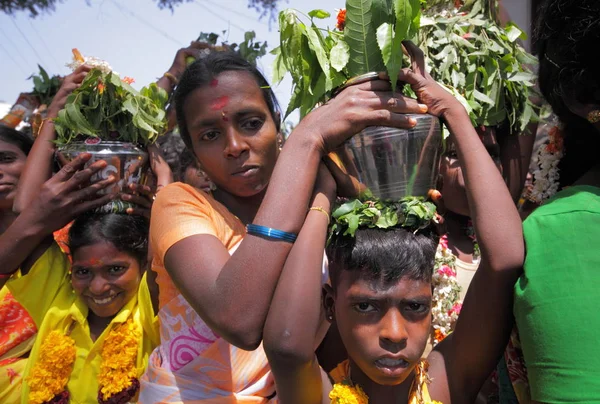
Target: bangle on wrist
[[271, 234], [174, 80], [322, 210]]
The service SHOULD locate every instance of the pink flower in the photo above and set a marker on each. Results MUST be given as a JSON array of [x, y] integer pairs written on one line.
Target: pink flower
[[455, 309], [444, 241], [446, 270], [468, 35], [129, 80]]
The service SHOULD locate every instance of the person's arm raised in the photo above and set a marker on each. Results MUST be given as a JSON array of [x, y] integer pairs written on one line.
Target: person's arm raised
[[38, 168], [233, 294], [295, 317], [58, 201], [467, 357]]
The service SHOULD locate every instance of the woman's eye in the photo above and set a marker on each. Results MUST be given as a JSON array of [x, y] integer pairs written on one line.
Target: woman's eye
[[364, 307], [116, 270], [253, 124], [208, 136]]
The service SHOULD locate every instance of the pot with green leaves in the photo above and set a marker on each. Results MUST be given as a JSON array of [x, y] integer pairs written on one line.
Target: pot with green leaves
[[108, 118], [392, 163]]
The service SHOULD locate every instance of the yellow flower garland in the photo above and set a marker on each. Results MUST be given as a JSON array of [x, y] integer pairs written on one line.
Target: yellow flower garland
[[119, 357], [346, 393], [53, 369]]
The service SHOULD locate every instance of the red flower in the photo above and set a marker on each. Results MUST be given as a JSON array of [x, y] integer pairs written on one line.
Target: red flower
[[101, 87], [341, 19]]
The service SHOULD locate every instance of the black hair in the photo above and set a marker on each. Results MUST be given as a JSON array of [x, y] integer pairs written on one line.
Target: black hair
[[384, 255], [202, 71], [128, 233], [566, 32], [14, 137]]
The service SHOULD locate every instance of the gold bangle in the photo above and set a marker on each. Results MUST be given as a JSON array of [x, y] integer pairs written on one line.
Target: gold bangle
[[320, 209], [41, 127], [171, 78]]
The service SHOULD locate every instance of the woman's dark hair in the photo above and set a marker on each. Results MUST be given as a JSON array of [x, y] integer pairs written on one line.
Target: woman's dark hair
[[19, 139], [128, 233], [566, 33], [384, 255], [202, 71]]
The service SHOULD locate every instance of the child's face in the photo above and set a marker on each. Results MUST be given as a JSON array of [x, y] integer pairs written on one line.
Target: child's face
[[104, 277], [384, 329]]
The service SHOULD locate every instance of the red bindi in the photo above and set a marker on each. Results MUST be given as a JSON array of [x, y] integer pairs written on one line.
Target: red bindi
[[219, 103], [214, 82]]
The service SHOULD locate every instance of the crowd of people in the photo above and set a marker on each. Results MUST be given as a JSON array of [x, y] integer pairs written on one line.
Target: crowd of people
[[224, 284]]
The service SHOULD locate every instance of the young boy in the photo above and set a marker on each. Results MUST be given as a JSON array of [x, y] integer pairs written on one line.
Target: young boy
[[380, 295]]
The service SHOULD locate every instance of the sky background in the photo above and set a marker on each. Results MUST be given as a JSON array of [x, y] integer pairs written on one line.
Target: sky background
[[136, 37]]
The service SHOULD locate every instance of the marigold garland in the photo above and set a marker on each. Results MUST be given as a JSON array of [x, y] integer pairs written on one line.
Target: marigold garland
[[347, 393], [52, 371], [118, 370]]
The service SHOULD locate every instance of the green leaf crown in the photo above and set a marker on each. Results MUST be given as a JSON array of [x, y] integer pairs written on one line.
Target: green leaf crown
[[412, 213]]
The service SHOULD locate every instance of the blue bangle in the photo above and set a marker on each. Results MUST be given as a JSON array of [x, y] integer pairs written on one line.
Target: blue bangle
[[273, 234]]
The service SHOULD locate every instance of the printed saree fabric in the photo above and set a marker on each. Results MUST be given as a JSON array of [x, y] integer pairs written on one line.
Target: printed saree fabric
[[193, 364]]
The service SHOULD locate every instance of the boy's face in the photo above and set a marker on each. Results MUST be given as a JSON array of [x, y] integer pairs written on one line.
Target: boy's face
[[384, 327]]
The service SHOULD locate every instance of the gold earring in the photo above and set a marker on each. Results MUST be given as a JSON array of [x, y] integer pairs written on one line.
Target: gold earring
[[594, 116]]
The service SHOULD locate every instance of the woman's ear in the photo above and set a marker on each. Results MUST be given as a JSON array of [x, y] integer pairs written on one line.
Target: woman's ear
[[329, 302]]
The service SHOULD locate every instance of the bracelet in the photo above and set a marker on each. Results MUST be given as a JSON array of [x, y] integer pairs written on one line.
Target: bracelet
[[174, 80], [320, 209], [273, 234], [37, 133]]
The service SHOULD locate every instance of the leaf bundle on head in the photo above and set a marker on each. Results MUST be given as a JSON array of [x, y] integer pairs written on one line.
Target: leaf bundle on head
[[413, 213], [108, 108], [481, 63], [44, 86], [319, 60]]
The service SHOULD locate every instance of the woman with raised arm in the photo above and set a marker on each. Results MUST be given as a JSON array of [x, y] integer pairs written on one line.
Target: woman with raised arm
[[219, 256]]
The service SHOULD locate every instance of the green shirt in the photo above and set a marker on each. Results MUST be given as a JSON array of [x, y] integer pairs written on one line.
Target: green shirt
[[557, 299]]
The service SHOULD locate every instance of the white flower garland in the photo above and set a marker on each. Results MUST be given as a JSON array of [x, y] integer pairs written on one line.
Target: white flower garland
[[546, 173], [79, 59], [446, 303]]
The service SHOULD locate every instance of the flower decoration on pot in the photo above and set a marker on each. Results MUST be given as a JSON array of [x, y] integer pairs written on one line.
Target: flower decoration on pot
[[481, 62], [107, 117], [367, 38], [106, 108]]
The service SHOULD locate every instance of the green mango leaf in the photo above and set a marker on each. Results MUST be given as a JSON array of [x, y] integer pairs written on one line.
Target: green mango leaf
[[339, 56], [321, 14], [75, 116], [360, 35], [520, 76], [513, 32]]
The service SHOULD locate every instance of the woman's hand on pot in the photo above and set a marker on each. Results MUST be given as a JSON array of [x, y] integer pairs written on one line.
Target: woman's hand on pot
[[69, 84], [358, 106], [69, 193], [437, 99], [142, 196]]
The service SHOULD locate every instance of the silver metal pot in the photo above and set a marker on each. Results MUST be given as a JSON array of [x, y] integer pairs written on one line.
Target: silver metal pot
[[126, 161], [394, 163]]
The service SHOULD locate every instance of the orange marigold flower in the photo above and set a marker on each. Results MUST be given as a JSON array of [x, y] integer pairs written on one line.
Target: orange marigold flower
[[438, 335], [101, 87], [341, 19], [129, 80]]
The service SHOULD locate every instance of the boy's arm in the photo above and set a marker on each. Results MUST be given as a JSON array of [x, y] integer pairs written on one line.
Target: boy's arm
[[463, 362], [295, 315]]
